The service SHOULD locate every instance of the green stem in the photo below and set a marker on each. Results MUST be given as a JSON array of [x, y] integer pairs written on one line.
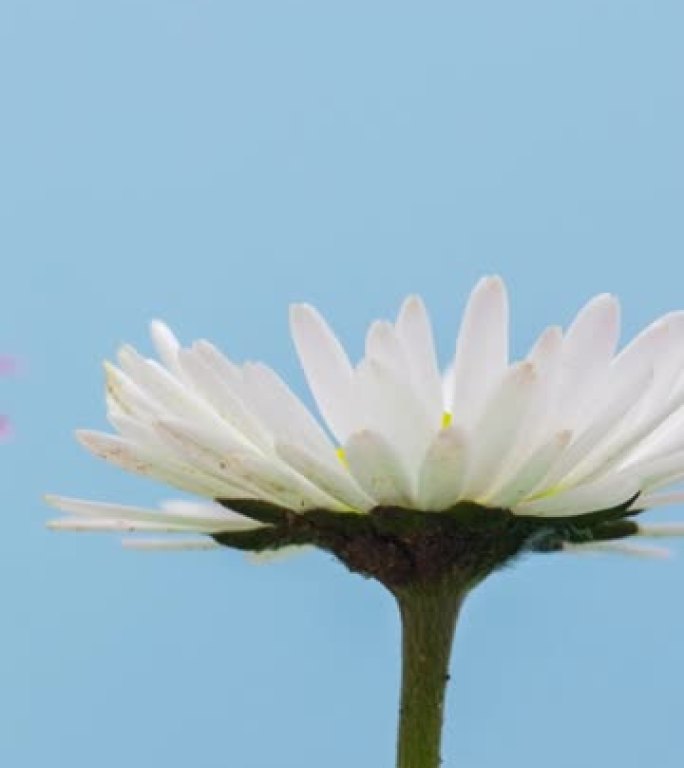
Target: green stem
[[428, 619]]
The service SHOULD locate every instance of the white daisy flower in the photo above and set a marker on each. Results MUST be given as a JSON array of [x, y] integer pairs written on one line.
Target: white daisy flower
[[558, 451], [426, 482]]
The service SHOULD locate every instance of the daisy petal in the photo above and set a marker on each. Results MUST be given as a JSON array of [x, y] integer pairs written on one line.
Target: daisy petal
[[443, 471], [327, 368], [378, 470], [282, 410], [166, 344], [74, 524], [496, 432], [523, 480], [248, 474], [171, 545], [651, 500], [481, 351], [415, 333], [228, 404], [588, 348], [624, 397], [129, 456], [660, 530], [605, 493], [269, 556], [618, 548], [338, 483], [205, 517], [663, 470], [392, 410]]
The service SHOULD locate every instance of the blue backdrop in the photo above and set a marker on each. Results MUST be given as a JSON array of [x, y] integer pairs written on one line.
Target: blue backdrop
[[209, 162]]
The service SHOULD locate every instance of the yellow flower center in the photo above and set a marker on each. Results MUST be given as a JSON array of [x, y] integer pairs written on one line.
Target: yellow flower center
[[342, 456]]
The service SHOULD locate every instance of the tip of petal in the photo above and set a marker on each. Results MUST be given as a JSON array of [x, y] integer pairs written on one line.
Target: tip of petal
[[85, 437], [412, 303], [304, 317], [159, 326], [51, 499], [301, 310], [490, 284], [524, 371], [549, 337], [126, 353], [606, 303]]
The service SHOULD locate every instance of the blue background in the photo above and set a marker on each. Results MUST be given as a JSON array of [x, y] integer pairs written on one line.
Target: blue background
[[209, 162]]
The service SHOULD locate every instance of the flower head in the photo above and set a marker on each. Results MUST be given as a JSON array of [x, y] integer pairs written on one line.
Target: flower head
[[559, 450]]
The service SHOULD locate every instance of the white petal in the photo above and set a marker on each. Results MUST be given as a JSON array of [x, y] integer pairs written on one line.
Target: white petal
[[129, 456], [661, 530], [169, 394], [448, 387], [658, 472], [223, 367], [415, 333], [660, 348], [338, 483], [261, 478], [618, 548], [228, 404], [207, 452], [651, 500], [545, 355], [391, 409], [514, 489], [600, 495], [495, 435], [204, 509], [287, 417], [643, 350], [141, 434], [665, 439], [127, 395], [588, 348], [74, 524], [577, 460], [171, 545], [378, 470], [593, 335], [166, 344], [616, 450], [202, 518], [327, 369], [668, 363], [481, 351], [546, 350], [269, 556], [443, 471], [383, 345]]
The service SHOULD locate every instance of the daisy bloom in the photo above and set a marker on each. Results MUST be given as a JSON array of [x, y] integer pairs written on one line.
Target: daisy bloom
[[424, 481]]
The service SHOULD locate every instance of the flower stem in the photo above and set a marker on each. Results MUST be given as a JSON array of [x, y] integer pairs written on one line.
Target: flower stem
[[428, 619]]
